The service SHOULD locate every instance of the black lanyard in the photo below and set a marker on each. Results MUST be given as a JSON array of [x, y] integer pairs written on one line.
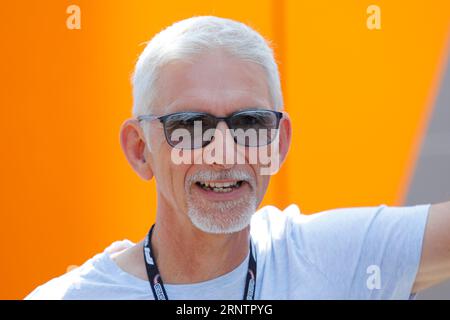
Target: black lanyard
[[156, 283]]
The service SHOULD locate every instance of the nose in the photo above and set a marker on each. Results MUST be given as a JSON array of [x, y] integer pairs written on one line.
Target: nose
[[220, 152]]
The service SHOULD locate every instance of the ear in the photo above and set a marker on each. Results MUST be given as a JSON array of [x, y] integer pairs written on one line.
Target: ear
[[135, 149], [285, 136]]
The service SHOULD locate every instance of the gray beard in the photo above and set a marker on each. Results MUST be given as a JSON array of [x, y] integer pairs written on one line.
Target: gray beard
[[224, 217]]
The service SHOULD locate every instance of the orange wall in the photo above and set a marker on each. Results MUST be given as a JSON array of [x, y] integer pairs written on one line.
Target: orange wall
[[359, 100]]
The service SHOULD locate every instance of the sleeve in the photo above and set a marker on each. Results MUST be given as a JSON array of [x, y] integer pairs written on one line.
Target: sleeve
[[368, 252], [54, 289]]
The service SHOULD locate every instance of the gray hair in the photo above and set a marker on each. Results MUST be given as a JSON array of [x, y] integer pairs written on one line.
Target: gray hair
[[189, 37]]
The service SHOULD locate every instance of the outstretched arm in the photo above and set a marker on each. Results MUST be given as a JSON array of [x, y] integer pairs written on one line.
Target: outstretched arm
[[435, 261]]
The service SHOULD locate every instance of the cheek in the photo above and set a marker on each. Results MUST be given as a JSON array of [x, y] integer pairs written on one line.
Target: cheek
[[178, 173], [178, 176], [162, 168], [262, 182], [171, 179]]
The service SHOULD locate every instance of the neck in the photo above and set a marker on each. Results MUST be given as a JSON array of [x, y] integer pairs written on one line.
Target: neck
[[185, 254]]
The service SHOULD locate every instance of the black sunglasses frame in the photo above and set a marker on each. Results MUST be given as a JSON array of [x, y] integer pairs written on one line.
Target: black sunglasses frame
[[163, 119]]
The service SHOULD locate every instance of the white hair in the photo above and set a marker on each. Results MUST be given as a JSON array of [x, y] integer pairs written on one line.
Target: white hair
[[187, 38]]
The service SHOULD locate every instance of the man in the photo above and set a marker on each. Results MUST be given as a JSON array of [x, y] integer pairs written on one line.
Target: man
[[199, 87]]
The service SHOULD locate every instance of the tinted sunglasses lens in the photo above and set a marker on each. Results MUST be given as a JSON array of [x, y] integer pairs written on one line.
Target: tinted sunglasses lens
[[254, 128], [186, 130]]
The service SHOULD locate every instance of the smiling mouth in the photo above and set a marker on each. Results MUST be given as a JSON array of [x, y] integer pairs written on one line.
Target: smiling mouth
[[220, 187]]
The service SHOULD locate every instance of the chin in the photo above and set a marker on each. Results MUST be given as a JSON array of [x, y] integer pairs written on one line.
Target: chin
[[222, 218]]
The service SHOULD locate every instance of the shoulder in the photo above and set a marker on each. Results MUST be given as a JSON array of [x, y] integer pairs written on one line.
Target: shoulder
[[336, 233], [344, 244], [83, 282], [270, 220], [65, 285]]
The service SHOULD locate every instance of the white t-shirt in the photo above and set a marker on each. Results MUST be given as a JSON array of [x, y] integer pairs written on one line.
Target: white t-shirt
[[348, 253]]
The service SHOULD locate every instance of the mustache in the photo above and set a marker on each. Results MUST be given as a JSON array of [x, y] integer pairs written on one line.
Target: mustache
[[233, 174]]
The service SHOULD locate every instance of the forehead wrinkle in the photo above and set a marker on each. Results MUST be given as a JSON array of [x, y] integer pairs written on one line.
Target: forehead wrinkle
[[198, 85], [215, 105]]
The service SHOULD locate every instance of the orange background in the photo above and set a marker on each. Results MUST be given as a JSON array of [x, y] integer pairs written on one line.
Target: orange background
[[360, 101]]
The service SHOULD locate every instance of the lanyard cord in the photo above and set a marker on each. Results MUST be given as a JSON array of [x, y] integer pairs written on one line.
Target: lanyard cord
[[157, 285]]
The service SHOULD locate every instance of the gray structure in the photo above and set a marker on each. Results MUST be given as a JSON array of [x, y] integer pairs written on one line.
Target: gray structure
[[431, 179]]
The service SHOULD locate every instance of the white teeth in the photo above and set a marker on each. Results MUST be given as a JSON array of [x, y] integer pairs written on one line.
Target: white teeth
[[219, 186], [222, 189]]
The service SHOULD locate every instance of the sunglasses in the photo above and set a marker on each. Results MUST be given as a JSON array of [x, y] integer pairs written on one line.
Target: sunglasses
[[192, 130]]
